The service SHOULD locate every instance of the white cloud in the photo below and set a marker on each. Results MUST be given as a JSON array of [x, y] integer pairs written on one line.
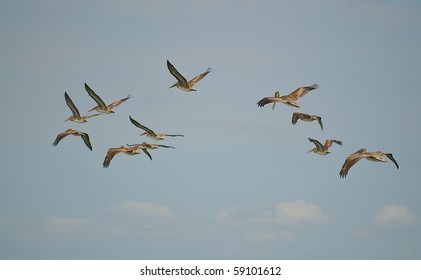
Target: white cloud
[[286, 213], [294, 213], [142, 209], [394, 216]]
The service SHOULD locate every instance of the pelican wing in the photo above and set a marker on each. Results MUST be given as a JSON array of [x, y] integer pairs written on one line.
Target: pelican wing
[[62, 135], [296, 116], [317, 143], [148, 131], [95, 97], [165, 146], [147, 153], [118, 102], [174, 135], [301, 91], [319, 120], [85, 138], [390, 156], [110, 154], [199, 77], [72, 106], [181, 80], [267, 100], [329, 142], [349, 162]]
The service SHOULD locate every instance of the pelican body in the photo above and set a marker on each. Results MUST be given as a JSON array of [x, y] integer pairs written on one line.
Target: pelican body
[[101, 107], [150, 133], [362, 153], [131, 151], [182, 82], [290, 99], [306, 118], [323, 149], [83, 135], [75, 112]]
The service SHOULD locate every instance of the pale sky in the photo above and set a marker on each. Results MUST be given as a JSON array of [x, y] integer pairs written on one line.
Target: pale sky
[[240, 184]]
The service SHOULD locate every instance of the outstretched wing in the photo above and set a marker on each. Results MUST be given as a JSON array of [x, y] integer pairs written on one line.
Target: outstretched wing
[[267, 100], [296, 116], [390, 156], [329, 142], [349, 162], [181, 80], [316, 142], [147, 153], [72, 106], [148, 131], [165, 146], [319, 120], [118, 102], [174, 135], [199, 77], [85, 138], [301, 91], [62, 135], [110, 154], [95, 97]]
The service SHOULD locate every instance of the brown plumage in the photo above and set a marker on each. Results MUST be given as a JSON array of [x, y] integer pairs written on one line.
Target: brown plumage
[[182, 82], [132, 150], [150, 133], [305, 117], [83, 135], [323, 149], [289, 99], [101, 107], [362, 153], [76, 115]]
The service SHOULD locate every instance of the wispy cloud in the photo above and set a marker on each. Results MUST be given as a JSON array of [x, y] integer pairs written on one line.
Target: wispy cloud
[[394, 216], [297, 212], [143, 209], [293, 213]]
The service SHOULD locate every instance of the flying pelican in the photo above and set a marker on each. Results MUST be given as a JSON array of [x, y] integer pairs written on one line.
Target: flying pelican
[[304, 117], [320, 149], [127, 150], [289, 99], [182, 82], [70, 131], [362, 153], [149, 132], [76, 115], [148, 146], [102, 108]]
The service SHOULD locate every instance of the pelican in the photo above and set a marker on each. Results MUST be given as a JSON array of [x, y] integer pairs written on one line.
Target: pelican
[[70, 131], [304, 117], [150, 133], [289, 99], [102, 108], [144, 146], [362, 153], [320, 149], [127, 150], [76, 115], [182, 82]]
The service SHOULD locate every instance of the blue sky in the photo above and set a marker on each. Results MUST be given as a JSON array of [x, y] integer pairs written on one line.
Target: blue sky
[[240, 184]]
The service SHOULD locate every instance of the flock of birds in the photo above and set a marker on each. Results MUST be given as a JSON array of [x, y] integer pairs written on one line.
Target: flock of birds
[[134, 149], [102, 108], [291, 100]]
